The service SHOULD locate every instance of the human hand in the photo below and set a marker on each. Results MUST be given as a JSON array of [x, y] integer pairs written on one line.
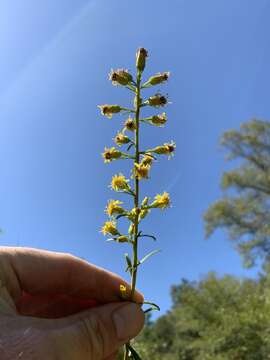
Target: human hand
[[57, 306]]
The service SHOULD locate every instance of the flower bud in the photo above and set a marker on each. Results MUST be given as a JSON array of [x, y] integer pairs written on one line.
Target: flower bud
[[121, 139], [166, 149], [157, 100], [145, 201], [157, 79], [130, 124], [111, 154], [122, 239], [143, 214], [158, 120], [109, 110], [131, 229], [141, 56], [120, 77]]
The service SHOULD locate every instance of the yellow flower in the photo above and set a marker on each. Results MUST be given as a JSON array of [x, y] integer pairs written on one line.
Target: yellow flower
[[119, 182], [111, 154], [147, 159], [114, 208], [162, 201], [141, 171], [109, 228], [120, 77], [109, 110], [130, 124], [157, 100], [159, 120], [165, 149], [121, 139]]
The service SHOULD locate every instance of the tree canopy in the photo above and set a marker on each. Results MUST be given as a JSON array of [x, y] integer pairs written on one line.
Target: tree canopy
[[212, 319], [244, 210]]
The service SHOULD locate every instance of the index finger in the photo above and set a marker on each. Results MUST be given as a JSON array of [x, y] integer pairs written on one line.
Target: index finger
[[40, 272]]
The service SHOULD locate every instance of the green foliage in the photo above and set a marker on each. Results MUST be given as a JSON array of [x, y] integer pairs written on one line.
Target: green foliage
[[214, 319], [244, 210]]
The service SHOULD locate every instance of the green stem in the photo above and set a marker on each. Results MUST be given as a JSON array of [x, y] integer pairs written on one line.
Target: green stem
[[136, 197]]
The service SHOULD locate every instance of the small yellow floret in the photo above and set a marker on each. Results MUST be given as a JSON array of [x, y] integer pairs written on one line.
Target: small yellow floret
[[147, 159], [141, 171], [159, 120], [162, 201], [121, 139], [114, 208], [165, 149], [109, 228], [119, 182], [111, 154], [130, 124], [109, 110]]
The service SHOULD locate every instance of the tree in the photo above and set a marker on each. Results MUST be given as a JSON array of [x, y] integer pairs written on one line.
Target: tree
[[244, 210], [213, 319]]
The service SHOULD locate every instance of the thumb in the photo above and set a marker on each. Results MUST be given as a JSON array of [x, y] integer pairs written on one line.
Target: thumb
[[97, 333]]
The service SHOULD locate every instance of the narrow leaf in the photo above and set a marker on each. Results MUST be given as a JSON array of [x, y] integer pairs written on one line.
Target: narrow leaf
[[130, 146], [149, 236], [119, 216], [154, 307], [134, 353], [149, 255], [129, 263]]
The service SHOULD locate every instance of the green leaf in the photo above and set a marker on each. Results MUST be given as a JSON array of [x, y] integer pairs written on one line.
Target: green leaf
[[134, 353], [154, 307], [154, 252], [130, 146], [149, 236], [119, 216], [129, 263]]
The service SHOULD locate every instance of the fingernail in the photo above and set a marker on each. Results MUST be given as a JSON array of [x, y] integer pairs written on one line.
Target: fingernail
[[128, 321]]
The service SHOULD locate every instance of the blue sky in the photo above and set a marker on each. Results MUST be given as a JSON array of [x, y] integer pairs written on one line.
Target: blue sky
[[55, 57]]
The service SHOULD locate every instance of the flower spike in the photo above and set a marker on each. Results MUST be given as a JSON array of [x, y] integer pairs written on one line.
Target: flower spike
[[129, 136]]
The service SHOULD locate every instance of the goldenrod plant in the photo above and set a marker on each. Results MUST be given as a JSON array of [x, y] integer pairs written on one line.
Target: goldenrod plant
[[141, 162]]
